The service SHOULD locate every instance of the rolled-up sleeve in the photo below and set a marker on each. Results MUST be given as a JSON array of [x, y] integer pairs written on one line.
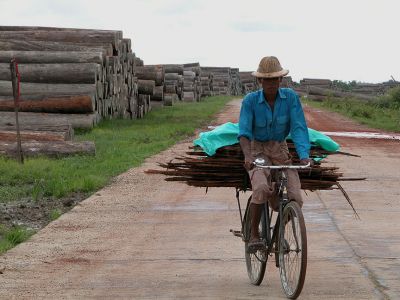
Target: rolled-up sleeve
[[246, 120], [298, 128]]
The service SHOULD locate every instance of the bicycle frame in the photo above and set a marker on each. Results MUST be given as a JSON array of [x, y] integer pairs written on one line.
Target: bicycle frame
[[283, 200]]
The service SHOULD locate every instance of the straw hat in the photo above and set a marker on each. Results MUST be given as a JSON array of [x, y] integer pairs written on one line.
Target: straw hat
[[269, 67]]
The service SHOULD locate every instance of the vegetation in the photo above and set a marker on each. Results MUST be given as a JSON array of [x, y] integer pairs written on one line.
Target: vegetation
[[10, 237], [382, 113], [120, 145], [344, 85], [55, 214]]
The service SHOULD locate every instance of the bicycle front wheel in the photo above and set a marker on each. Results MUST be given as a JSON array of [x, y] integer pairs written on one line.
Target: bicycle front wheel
[[255, 262], [292, 250]]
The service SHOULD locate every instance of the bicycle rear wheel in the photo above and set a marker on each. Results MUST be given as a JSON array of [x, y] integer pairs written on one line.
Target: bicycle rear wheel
[[292, 250], [255, 262]]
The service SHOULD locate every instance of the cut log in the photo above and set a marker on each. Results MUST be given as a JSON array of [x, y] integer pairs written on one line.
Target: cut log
[[31, 135], [70, 36], [313, 90], [64, 130], [150, 73], [83, 121], [49, 149], [54, 73], [158, 93], [170, 99], [17, 45], [146, 87], [170, 88], [314, 81], [172, 76], [118, 33], [28, 88], [173, 68], [51, 57], [188, 97], [65, 104]]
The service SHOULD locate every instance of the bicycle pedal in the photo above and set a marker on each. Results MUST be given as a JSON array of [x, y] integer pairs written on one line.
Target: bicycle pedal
[[237, 233]]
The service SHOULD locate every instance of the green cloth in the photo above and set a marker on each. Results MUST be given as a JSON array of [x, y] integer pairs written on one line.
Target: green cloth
[[223, 135], [319, 139], [227, 134]]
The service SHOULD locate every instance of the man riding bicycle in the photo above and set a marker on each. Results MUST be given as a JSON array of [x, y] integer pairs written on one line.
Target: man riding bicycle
[[267, 116]]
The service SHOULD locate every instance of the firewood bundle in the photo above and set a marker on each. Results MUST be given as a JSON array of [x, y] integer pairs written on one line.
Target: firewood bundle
[[225, 169]]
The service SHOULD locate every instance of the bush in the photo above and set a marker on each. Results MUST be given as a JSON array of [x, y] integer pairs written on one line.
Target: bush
[[391, 99]]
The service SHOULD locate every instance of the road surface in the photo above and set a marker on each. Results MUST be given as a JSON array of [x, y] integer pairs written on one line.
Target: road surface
[[144, 238]]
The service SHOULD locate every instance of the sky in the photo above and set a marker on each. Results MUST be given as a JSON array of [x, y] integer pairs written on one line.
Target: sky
[[342, 40]]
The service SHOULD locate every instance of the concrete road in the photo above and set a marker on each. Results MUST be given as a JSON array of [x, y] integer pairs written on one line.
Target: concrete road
[[144, 238]]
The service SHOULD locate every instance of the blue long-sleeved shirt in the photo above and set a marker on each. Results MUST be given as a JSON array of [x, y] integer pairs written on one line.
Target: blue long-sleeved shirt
[[258, 122]]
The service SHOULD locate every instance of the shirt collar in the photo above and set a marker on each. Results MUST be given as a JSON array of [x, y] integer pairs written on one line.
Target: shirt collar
[[281, 95]]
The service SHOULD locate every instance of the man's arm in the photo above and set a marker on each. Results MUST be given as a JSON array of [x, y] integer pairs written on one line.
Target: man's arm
[[299, 130], [245, 144], [246, 132]]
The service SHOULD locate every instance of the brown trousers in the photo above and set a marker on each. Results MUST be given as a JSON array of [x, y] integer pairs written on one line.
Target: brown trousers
[[275, 153]]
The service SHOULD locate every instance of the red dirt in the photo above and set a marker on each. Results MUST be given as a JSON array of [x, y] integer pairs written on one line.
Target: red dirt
[[330, 121]]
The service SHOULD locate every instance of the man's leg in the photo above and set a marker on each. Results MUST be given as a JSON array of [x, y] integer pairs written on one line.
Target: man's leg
[[294, 186], [281, 156], [262, 190]]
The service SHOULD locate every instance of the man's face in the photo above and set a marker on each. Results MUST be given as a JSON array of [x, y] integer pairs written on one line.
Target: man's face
[[270, 84]]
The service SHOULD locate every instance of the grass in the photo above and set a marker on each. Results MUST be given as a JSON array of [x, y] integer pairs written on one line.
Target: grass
[[120, 145], [382, 113], [55, 214], [10, 237]]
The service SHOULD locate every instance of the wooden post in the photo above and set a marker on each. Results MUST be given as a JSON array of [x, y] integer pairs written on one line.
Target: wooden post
[[15, 84]]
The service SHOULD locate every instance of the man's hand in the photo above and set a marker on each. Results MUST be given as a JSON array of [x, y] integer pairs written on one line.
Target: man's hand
[[246, 149], [248, 163], [305, 161]]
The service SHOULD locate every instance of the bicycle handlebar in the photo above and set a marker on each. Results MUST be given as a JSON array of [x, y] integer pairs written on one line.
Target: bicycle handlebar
[[259, 163]]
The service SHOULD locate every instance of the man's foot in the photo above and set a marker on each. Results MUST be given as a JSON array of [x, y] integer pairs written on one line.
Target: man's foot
[[255, 214]]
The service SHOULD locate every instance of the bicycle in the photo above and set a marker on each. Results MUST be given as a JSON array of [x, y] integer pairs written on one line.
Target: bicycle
[[286, 239]]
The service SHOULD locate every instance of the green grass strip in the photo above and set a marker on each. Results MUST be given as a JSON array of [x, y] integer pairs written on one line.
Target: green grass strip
[[120, 145], [10, 237], [374, 114]]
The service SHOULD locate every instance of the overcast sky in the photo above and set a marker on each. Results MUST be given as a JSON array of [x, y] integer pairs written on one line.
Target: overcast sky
[[341, 39]]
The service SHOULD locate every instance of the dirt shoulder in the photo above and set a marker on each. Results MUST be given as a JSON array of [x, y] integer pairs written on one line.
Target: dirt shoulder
[[142, 237]]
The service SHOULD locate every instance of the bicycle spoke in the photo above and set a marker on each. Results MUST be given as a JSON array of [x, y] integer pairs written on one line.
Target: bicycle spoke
[[291, 255]]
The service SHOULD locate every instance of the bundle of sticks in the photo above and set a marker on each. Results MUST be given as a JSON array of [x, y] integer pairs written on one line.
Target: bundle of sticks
[[225, 169]]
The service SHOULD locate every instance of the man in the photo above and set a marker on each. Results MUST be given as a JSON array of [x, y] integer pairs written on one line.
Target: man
[[267, 116]]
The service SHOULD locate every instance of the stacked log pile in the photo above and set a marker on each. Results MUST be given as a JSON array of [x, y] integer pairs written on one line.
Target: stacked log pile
[[369, 89], [189, 86], [225, 169], [317, 93], [69, 77], [192, 88], [221, 80], [321, 89], [236, 86], [71, 71], [249, 82], [206, 83], [155, 73], [49, 136], [287, 82], [173, 83]]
